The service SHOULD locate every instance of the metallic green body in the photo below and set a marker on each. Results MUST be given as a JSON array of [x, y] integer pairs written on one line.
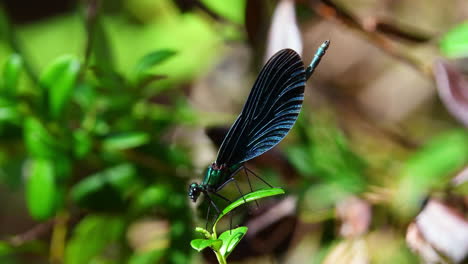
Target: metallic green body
[[215, 178]]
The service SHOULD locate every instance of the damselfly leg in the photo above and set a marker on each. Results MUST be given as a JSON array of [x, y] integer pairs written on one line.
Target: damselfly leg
[[258, 177], [250, 185]]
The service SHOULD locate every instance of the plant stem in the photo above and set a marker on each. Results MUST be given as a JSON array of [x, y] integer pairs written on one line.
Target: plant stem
[[220, 257], [59, 233]]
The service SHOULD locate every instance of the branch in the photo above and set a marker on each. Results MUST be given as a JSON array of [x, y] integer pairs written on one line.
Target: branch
[[377, 32]]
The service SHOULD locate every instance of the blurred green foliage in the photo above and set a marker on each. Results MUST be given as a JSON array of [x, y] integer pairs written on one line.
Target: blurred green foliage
[[324, 155], [77, 116], [430, 168], [455, 42]]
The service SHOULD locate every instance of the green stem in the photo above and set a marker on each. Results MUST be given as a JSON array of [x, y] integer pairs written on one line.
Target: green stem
[[220, 257]]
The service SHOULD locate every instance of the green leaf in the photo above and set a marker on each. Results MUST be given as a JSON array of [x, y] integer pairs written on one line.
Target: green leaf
[[200, 244], [327, 154], [11, 73], [85, 95], [9, 110], [152, 196], [119, 177], [431, 167], [125, 140], [5, 249], [41, 190], [455, 42], [246, 199], [147, 62], [203, 231], [82, 143], [58, 79], [92, 236], [300, 158], [101, 50], [230, 239], [39, 142], [105, 189], [442, 155]]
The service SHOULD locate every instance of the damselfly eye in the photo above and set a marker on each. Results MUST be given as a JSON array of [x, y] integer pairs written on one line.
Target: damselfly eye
[[194, 191]]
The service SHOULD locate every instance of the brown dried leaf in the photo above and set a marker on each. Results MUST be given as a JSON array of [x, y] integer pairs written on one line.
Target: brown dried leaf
[[453, 90], [355, 215], [461, 177], [349, 252], [416, 242], [441, 228], [284, 32]]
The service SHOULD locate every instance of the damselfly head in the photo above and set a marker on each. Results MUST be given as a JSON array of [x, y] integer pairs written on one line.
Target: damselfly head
[[194, 191]]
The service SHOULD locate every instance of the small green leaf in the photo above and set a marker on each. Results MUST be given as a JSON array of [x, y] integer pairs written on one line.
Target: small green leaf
[[5, 249], [82, 143], [58, 79], [101, 48], [11, 73], [248, 198], [9, 110], [87, 186], [41, 189], [200, 244], [125, 140], [98, 188], [327, 154], [455, 42], [152, 196], [230, 239], [85, 95], [300, 157], [147, 62], [39, 142], [203, 231]]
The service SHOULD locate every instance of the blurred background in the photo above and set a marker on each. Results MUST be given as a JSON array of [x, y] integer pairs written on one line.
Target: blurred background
[[110, 108]]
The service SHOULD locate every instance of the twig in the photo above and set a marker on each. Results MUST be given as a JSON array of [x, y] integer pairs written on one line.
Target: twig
[[149, 162], [375, 34], [90, 20], [32, 234], [39, 230]]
